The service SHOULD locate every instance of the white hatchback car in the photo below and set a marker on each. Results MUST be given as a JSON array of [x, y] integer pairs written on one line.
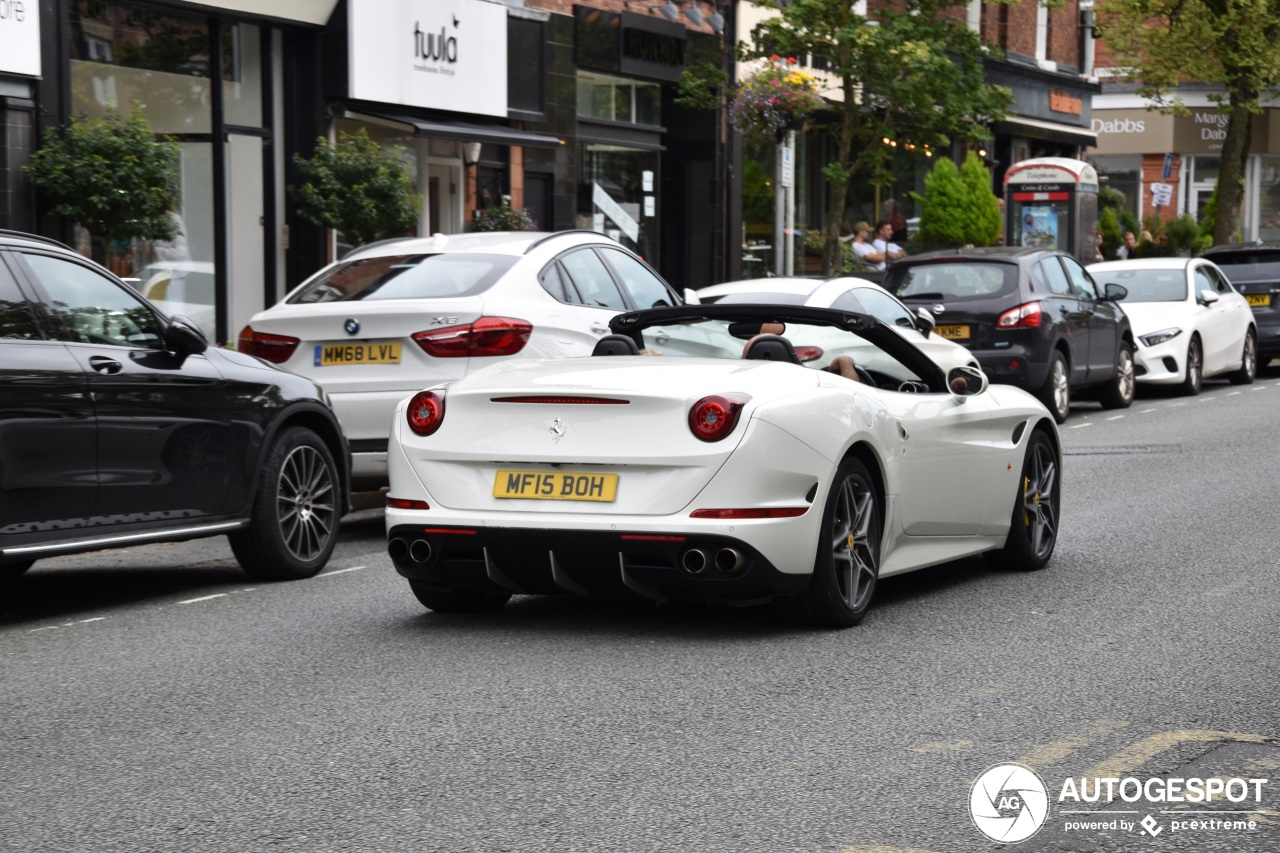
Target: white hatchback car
[[1189, 321], [397, 316]]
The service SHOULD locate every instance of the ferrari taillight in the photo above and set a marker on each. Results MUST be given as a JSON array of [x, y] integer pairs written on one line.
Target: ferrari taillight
[[808, 353], [1023, 317], [273, 348], [712, 418], [425, 412], [488, 336]]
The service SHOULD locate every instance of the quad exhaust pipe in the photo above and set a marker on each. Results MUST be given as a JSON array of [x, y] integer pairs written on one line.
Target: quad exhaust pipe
[[694, 561], [730, 560], [418, 550]]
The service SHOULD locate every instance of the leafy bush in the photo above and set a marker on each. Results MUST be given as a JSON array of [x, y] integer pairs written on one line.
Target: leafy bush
[[112, 175], [958, 206], [357, 188], [1109, 227], [503, 218]]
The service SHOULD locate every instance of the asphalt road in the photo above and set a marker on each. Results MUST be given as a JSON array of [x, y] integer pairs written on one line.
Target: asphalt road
[[154, 700]]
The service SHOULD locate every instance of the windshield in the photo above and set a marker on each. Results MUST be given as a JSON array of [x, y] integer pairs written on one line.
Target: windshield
[[952, 281], [406, 277], [1146, 285]]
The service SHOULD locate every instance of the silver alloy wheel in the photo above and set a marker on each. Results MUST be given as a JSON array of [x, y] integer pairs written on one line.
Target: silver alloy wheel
[[1250, 356], [1061, 389], [1039, 512], [1125, 382], [305, 503], [852, 550]]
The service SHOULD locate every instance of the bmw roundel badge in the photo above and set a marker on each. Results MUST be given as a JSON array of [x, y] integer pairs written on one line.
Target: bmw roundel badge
[[352, 326]]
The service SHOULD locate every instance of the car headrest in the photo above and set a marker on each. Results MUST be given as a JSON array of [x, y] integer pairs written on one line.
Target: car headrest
[[616, 345], [771, 348]]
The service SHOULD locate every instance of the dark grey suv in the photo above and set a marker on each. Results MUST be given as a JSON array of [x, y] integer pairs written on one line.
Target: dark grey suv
[[120, 426], [1033, 318], [1254, 270]]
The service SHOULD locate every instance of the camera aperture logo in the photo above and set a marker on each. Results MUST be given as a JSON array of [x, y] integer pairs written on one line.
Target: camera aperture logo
[[1008, 803]]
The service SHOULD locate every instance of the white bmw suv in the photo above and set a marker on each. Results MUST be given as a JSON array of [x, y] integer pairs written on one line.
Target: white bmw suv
[[397, 316]]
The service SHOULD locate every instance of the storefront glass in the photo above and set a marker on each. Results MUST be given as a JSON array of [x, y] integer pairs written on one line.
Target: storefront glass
[[1122, 172], [127, 58], [1269, 198], [617, 196]]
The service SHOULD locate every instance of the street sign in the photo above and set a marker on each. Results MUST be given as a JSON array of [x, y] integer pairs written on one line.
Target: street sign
[[1168, 168], [788, 176], [1161, 194]]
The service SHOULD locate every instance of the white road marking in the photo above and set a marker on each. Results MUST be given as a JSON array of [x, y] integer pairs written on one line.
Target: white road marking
[[1233, 393], [46, 628], [341, 571], [94, 619], [1259, 387], [204, 598], [1146, 411], [1115, 417], [1081, 426]]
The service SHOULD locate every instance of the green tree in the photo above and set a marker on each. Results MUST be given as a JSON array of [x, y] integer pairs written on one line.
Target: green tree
[[356, 187], [915, 76], [942, 205], [983, 213], [1109, 227], [111, 175], [1231, 43]]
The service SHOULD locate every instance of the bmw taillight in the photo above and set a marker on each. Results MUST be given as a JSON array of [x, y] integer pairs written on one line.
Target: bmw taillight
[[426, 412], [712, 418], [1023, 317], [488, 336], [273, 348]]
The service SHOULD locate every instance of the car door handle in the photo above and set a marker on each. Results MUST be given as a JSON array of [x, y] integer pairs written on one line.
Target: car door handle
[[903, 431], [599, 329], [102, 364]]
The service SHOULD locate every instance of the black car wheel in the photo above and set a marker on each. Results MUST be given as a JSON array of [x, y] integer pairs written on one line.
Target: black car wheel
[[445, 599], [1056, 393], [9, 571], [1033, 529], [1118, 394], [848, 561], [295, 513], [1248, 362], [1193, 379]]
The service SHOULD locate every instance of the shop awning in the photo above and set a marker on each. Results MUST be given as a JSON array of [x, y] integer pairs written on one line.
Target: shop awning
[[305, 11], [1069, 134], [460, 130]]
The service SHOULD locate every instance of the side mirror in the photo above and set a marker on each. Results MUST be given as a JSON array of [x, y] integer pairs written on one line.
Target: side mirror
[[966, 380], [925, 322], [1208, 297], [1115, 292], [184, 337], [691, 297]]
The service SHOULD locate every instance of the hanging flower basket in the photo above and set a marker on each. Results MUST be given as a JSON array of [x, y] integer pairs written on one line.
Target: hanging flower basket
[[777, 98]]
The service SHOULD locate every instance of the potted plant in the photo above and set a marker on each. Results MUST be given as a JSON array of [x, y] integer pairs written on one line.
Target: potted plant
[[777, 98], [502, 218]]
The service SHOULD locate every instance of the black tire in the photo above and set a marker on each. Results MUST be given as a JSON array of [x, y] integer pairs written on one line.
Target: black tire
[[444, 599], [848, 561], [1033, 527], [1118, 393], [1056, 393], [1193, 378], [1248, 362], [294, 520], [9, 571]]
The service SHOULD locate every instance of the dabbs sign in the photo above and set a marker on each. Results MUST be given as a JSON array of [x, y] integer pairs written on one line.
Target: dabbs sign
[[20, 37], [438, 54]]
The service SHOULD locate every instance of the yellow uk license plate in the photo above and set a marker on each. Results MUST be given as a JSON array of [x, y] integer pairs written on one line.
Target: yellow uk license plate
[[952, 333], [1258, 300], [555, 486], [366, 352]]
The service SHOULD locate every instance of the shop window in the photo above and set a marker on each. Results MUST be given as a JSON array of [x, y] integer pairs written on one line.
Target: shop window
[[618, 99], [242, 75], [526, 64], [1269, 197], [1122, 173]]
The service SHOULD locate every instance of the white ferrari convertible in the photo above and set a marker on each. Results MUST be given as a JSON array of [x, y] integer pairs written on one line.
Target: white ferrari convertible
[[734, 479]]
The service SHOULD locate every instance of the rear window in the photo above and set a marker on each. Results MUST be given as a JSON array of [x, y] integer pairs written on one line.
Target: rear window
[[406, 277], [954, 282], [1147, 285], [759, 299], [1248, 266]]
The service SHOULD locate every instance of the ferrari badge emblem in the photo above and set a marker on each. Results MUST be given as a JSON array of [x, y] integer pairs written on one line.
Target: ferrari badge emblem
[[557, 429]]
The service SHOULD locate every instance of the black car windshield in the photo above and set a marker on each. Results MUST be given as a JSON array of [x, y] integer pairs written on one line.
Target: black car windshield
[[952, 281], [406, 277], [1146, 285]]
